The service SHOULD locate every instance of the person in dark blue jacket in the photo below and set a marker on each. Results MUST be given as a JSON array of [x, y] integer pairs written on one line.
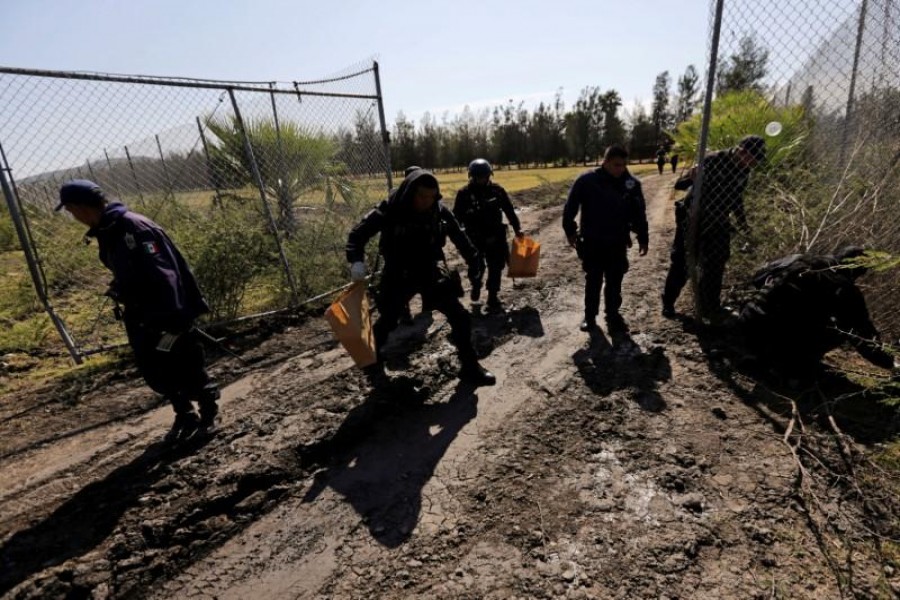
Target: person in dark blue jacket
[[612, 206], [161, 300], [414, 226]]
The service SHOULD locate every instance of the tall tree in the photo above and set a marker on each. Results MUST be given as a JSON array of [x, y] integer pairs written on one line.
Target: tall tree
[[661, 116], [613, 126], [404, 151], [688, 94], [745, 69], [584, 125], [642, 139]]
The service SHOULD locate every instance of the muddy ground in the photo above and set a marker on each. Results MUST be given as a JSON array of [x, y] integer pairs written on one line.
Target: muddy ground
[[638, 464]]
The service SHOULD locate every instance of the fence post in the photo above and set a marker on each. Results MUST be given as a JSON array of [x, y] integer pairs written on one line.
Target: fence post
[[848, 115], [165, 167], [385, 136], [109, 168], [217, 202], [91, 171], [693, 237], [137, 184], [34, 269], [248, 148], [284, 204]]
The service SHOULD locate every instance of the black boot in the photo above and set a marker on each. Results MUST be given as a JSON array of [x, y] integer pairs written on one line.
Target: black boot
[[493, 303], [589, 324], [209, 409], [377, 376], [475, 294], [473, 373], [185, 425]]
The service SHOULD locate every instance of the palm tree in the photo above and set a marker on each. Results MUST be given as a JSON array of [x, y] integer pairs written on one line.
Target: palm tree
[[292, 161]]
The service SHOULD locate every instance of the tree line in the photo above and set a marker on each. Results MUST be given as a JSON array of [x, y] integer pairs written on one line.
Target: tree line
[[553, 134]]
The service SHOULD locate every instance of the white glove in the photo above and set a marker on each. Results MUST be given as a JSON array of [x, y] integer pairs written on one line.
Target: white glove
[[358, 271]]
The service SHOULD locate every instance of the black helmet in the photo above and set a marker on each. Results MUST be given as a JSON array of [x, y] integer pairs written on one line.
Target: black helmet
[[480, 168], [411, 169]]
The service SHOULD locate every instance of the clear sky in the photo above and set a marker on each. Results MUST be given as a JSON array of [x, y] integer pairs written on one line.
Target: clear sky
[[434, 56]]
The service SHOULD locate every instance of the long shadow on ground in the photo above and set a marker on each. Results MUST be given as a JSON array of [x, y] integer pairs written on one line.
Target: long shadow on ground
[[619, 363], [86, 519], [384, 453]]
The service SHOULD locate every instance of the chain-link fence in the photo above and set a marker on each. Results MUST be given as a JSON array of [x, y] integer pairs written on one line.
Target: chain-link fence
[[256, 182], [819, 82]]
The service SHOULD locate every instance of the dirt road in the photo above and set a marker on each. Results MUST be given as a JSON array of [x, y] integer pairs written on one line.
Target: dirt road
[[633, 465]]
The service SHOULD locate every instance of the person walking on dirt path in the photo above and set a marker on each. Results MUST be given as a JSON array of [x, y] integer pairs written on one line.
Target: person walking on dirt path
[[725, 178], [612, 206], [806, 305], [161, 300], [661, 159], [674, 162], [414, 225], [479, 208]]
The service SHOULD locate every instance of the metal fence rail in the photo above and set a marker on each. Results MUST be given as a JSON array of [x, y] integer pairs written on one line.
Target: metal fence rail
[[255, 181], [820, 82]]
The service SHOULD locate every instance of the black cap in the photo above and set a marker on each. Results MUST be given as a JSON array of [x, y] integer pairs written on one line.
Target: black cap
[[755, 145], [80, 191]]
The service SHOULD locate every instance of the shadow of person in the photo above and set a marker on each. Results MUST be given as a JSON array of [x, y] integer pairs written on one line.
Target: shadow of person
[[819, 391], [83, 521], [382, 456], [618, 363], [405, 339], [490, 330]]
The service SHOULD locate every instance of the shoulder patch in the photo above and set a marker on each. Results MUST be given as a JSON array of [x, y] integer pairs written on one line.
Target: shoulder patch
[[129, 241], [630, 183], [150, 248]]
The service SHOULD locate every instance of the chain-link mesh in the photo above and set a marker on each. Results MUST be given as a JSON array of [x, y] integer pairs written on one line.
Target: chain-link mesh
[[819, 82], [255, 182]]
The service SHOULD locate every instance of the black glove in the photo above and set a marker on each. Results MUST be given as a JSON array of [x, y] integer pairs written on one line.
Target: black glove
[[476, 269]]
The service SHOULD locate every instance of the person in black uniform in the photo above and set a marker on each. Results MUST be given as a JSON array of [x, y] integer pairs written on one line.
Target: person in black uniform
[[161, 300], [807, 305], [414, 224], [479, 208], [661, 159], [725, 177], [612, 206], [674, 161]]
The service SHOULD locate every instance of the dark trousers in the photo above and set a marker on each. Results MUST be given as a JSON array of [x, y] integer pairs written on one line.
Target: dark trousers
[[714, 252], [660, 165], [396, 289], [495, 251], [601, 262], [179, 374]]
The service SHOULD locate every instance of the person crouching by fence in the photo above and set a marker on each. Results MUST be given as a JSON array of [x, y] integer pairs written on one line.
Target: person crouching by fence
[[161, 300]]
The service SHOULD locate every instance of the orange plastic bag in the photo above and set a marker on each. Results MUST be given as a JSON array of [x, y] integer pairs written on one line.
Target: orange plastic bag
[[352, 325], [524, 258]]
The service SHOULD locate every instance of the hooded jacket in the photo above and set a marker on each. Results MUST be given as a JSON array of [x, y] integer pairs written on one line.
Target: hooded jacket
[[150, 276], [410, 241]]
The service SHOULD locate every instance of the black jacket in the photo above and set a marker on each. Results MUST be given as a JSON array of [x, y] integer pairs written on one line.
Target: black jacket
[[610, 208], [410, 241], [151, 278], [480, 209], [812, 301], [724, 183]]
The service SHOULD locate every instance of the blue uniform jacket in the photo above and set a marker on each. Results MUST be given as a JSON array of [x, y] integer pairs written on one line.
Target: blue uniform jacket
[[610, 208], [150, 276]]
